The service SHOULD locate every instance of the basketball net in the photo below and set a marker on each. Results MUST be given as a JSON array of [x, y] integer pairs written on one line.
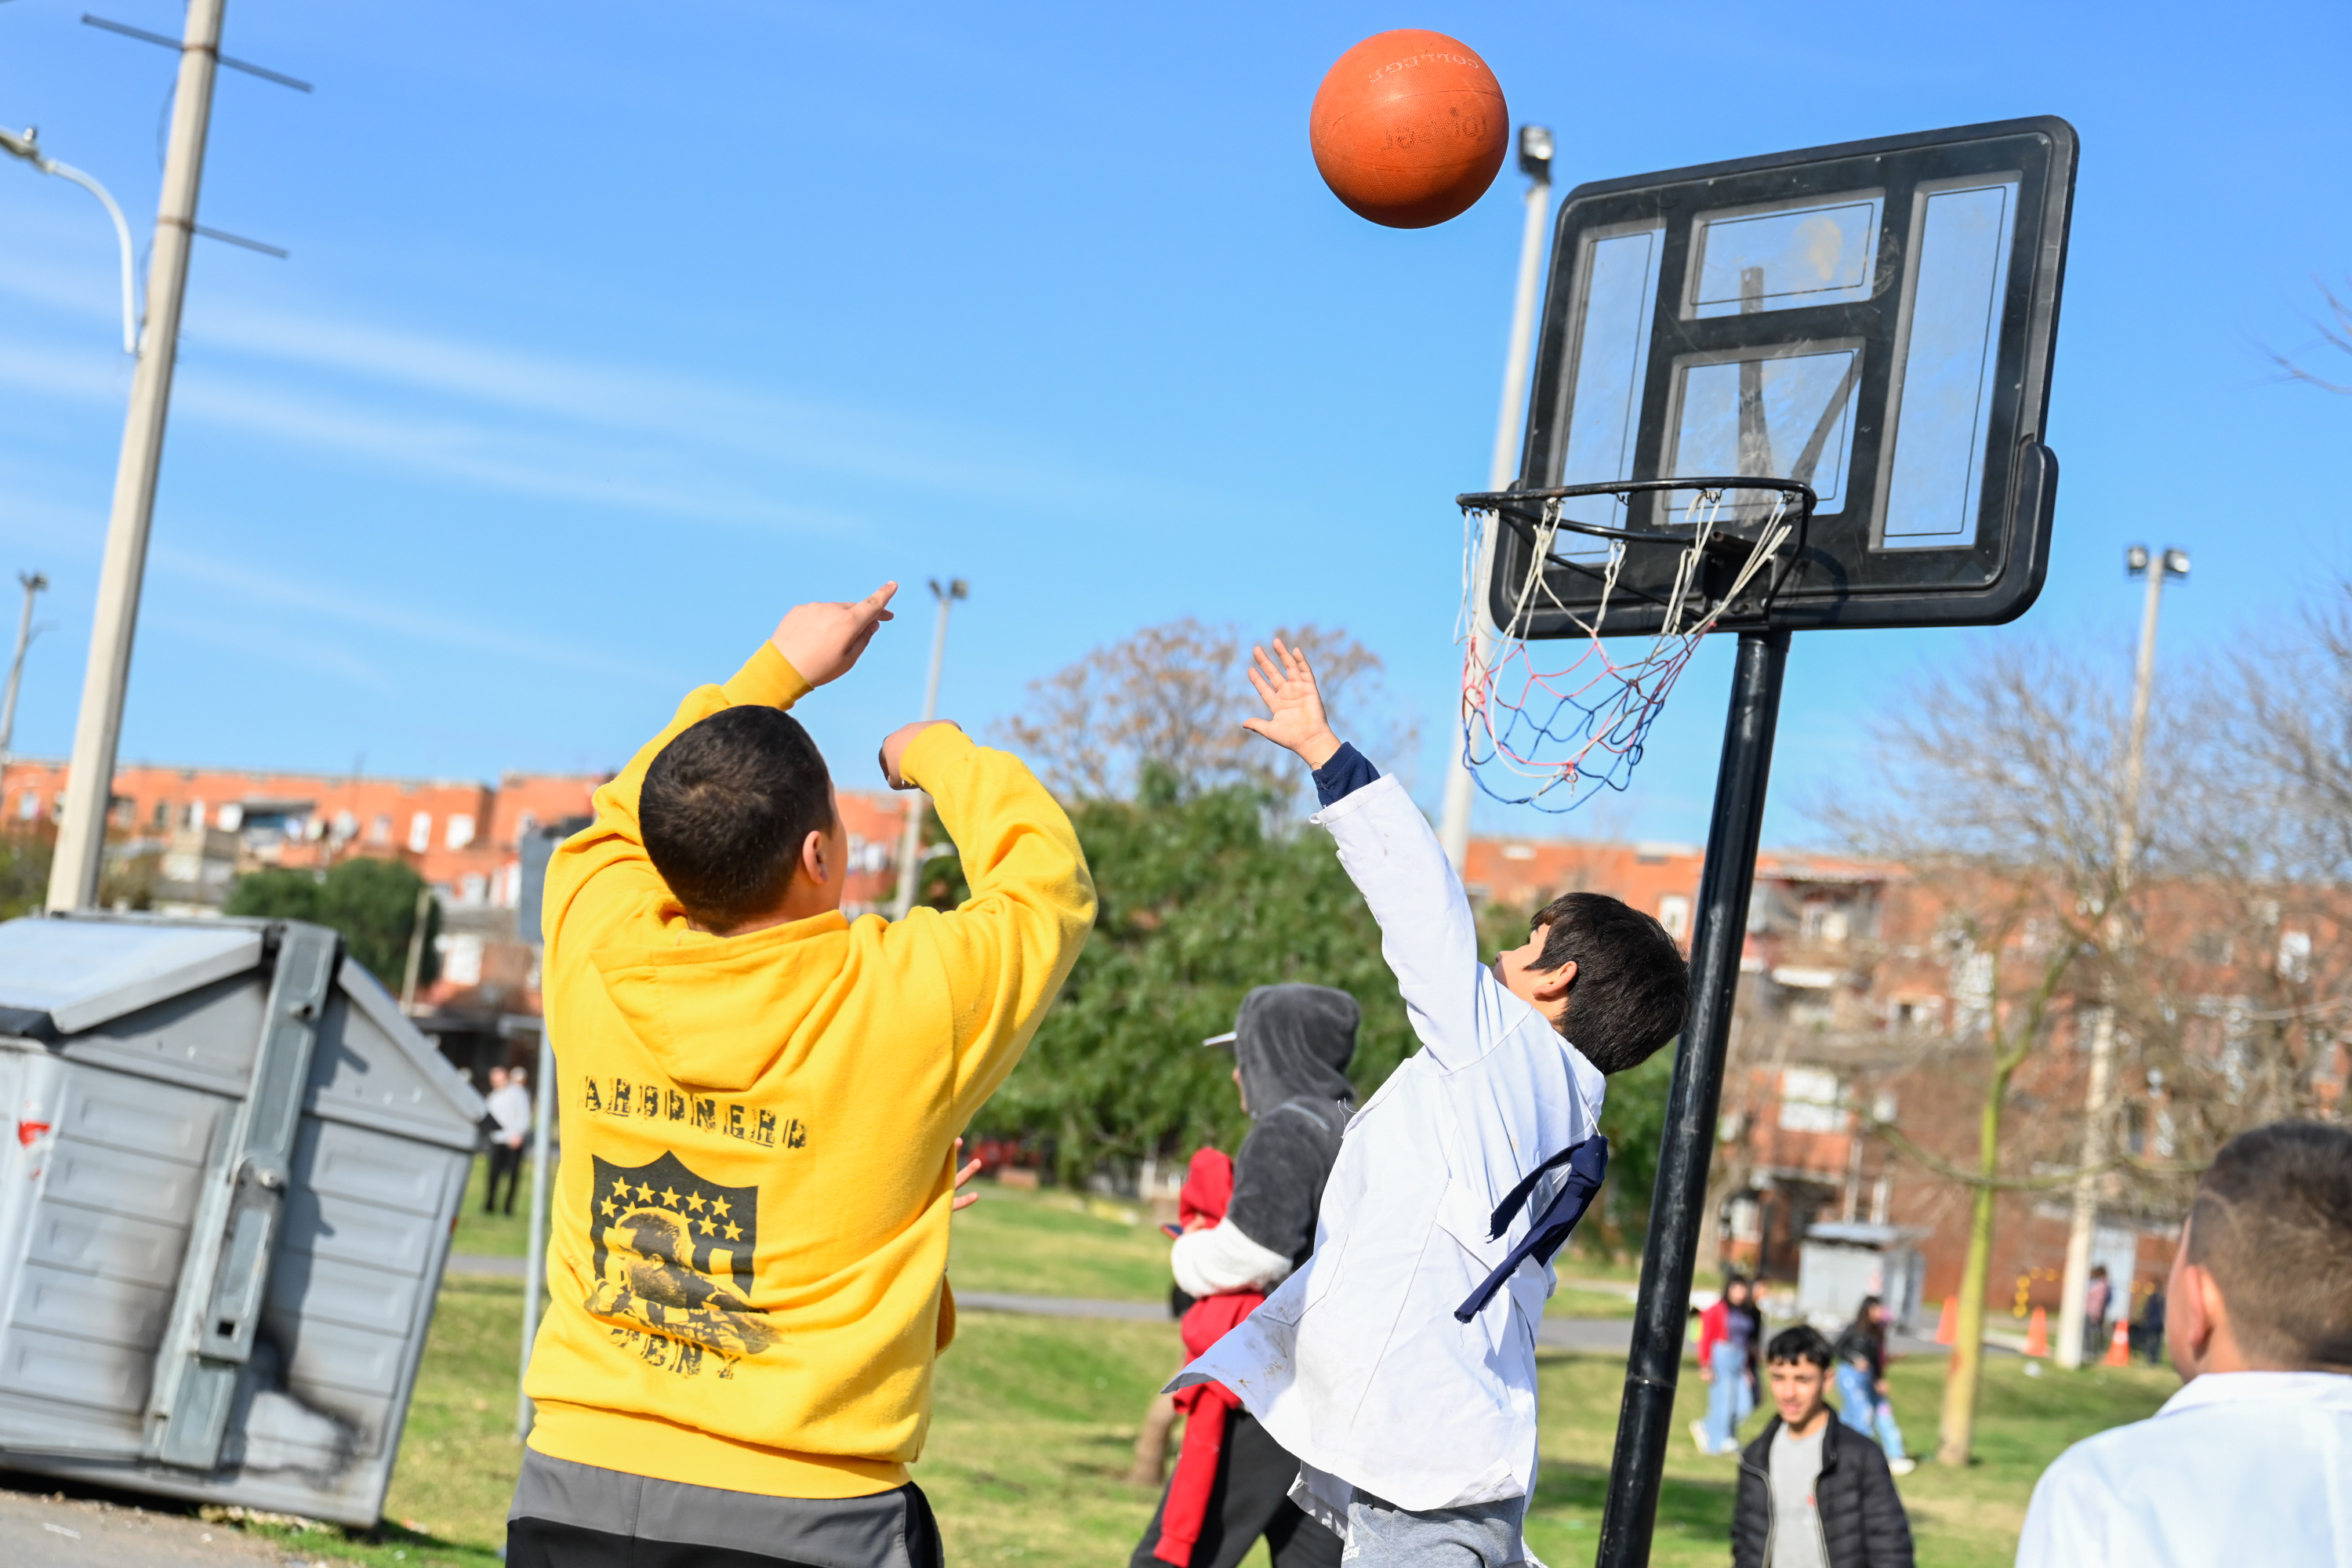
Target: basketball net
[[1553, 735]]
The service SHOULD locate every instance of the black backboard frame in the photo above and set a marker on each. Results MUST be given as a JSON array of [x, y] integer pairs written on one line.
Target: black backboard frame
[[1842, 579]]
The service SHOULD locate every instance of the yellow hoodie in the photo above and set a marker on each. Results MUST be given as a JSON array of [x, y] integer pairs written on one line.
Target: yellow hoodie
[[749, 1240]]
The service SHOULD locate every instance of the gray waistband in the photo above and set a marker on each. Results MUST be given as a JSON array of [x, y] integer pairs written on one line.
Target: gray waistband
[[823, 1532]]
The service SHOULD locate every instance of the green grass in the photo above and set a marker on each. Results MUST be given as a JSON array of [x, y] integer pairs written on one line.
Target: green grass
[[1035, 1419], [1057, 1244], [492, 1235]]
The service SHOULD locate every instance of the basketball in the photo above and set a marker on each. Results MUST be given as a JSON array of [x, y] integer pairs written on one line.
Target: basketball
[[1408, 128]]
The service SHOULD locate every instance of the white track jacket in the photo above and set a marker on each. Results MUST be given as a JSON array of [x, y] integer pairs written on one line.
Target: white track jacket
[[1356, 1364]]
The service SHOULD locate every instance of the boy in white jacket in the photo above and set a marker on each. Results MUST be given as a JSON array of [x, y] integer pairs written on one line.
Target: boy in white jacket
[[1398, 1362]]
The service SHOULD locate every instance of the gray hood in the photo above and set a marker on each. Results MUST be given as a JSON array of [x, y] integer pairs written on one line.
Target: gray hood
[[1294, 1042]]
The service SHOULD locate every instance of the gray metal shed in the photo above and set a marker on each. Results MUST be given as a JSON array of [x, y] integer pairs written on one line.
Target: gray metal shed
[[226, 1198]]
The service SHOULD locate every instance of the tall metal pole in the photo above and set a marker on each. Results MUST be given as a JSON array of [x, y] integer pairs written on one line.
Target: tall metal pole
[[33, 583], [1645, 1418], [1535, 160], [910, 842], [82, 832], [2083, 1224], [534, 1268]]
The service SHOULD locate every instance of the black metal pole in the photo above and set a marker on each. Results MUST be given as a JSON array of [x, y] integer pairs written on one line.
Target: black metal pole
[[1646, 1419]]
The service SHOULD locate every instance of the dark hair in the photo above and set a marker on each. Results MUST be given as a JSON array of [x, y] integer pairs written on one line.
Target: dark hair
[[1803, 1342], [2273, 1222], [1631, 984], [1865, 1318], [725, 809]]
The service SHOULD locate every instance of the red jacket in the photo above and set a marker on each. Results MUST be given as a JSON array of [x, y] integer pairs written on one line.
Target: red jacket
[[1208, 1188]]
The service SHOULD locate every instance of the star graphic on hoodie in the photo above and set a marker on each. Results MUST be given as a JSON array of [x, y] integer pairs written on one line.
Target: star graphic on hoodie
[[694, 1202], [734, 1233], [719, 1207]]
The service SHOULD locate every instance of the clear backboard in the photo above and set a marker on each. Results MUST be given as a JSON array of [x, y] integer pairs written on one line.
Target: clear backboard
[[1873, 323]]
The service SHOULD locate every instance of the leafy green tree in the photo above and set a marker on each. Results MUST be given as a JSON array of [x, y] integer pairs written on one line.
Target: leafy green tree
[[372, 902], [1200, 903], [23, 873]]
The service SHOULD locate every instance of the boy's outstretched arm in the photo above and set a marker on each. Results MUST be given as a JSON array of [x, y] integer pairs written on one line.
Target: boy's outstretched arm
[[814, 644], [1427, 934]]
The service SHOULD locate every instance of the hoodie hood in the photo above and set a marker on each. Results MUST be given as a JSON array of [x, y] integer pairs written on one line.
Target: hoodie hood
[[1294, 1042], [716, 1013]]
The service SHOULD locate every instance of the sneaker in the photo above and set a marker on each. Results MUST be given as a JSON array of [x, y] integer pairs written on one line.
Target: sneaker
[[1698, 1435], [1902, 1467]]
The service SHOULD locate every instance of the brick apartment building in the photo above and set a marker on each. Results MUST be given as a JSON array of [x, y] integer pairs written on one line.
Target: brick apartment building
[[1853, 987]]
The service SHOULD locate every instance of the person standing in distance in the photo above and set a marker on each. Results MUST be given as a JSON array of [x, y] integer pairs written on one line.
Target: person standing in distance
[[509, 1107], [2251, 1461]]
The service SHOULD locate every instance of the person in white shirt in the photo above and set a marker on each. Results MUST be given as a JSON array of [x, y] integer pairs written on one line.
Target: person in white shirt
[[1398, 1362], [509, 1107], [2251, 1461]]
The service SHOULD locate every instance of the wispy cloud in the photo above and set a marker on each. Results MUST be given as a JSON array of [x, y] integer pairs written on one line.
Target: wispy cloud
[[402, 620]]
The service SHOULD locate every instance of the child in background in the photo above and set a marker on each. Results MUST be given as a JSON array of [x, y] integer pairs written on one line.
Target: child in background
[[1730, 1333], [1398, 1362]]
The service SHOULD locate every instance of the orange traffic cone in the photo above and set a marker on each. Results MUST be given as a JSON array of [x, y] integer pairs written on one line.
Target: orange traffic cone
[[2119, 1345], [1947, 1327], [2037, 1334]]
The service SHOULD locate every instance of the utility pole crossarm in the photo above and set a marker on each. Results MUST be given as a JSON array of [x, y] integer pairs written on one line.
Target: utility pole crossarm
[[910, 841]]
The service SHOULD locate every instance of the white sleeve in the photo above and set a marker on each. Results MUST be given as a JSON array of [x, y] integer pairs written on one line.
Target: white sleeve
[[1427, 933], [1221, 1259]]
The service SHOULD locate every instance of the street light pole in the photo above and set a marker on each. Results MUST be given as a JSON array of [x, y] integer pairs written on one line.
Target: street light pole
[[910, 842], [2115, 933], [33, 583], [1535, 161], [89, 781], [27, 146]]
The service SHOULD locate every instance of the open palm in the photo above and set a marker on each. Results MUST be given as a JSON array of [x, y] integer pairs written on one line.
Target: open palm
[[1295, 718]]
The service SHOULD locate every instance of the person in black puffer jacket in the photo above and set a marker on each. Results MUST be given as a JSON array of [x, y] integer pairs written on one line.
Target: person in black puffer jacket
[[1846, 1513]]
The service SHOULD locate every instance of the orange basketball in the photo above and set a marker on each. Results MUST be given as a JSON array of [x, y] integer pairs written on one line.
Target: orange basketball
[[1408, 128]]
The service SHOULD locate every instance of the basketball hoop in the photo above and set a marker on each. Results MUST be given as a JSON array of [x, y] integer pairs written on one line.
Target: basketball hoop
[[1559, 733]]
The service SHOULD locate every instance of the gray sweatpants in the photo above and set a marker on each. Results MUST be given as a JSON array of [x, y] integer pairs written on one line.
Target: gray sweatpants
[[1380, 1535]]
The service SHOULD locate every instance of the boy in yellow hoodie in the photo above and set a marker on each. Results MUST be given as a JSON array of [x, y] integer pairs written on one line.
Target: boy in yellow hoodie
[[760, 1104]]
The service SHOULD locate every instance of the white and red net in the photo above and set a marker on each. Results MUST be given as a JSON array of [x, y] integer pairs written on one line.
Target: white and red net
[[1552, 723]]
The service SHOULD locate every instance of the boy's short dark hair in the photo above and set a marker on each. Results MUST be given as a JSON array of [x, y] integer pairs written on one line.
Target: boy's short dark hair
[[1802, 1342], [2273, 1222], [1631, 983], [725, 809]]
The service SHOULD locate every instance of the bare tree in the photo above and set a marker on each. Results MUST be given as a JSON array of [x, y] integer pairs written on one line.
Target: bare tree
[[1171, 697], [2336, 333]]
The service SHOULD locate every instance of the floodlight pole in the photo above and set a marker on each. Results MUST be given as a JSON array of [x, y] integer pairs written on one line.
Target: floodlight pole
[[33, 583], [90, 781], [534, 1284], [2116, 935], [1647, 1418], [910, 842], [1535, 161]]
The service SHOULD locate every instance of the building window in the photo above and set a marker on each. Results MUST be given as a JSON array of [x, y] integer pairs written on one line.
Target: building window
[[1674, 913], [161, 815], [196, 814], [2294, 955], [28, 805], [461, 958], [472, 887], [380, 831], [1810, 1101], [460, 831], [420, 832], [1744, 1215], [346, 825], [229, 817]]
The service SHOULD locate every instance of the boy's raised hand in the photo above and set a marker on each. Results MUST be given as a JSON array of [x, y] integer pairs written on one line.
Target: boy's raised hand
[[823, 640], [1294, 704]]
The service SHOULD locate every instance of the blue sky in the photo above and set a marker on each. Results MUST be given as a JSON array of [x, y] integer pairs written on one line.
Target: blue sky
[[610, 332]]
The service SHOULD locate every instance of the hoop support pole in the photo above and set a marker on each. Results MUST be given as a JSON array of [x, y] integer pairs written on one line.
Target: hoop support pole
[[1645, 1416]]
